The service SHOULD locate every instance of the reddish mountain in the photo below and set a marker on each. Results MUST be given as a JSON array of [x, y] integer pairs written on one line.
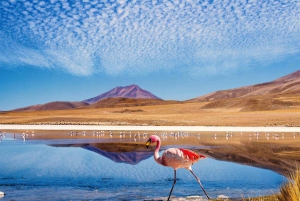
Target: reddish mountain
[[129, 102], [126, 96], [132, 91], [284, 85], [282, 93], [58, 105]]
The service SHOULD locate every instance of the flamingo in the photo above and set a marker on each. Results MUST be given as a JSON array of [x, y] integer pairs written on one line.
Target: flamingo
[[175, 158], [24, 136]]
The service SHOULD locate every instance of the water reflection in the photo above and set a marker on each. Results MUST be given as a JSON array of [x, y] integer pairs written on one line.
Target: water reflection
[[276, 151], [119, 153], [73, 171]]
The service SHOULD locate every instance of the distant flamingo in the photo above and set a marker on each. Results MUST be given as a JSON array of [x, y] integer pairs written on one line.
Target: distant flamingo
[[176, 158]]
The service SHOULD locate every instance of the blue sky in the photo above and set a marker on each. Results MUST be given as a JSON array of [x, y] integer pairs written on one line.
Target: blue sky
[[73, 50]]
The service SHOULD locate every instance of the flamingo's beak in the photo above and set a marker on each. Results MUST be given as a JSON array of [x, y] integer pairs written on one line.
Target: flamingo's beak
[[148, 143]]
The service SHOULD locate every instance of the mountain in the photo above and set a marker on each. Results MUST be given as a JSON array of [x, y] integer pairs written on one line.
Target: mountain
[[57, 105], [286, 84], [129, 102], [126, 96], [281, 93], [132, 91]]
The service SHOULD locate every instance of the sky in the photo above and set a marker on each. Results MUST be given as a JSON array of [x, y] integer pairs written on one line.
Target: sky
[[72, 50]]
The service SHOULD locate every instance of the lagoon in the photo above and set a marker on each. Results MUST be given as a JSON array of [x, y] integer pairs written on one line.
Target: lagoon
[[79, 169]]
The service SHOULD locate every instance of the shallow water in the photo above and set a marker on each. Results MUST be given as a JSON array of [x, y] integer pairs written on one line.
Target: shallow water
[[33, 170]]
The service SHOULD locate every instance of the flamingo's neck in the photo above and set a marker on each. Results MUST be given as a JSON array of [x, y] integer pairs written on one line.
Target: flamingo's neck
[[156, 152]]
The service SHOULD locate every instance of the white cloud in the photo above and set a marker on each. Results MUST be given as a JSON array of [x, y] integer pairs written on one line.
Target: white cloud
[[144, 36]]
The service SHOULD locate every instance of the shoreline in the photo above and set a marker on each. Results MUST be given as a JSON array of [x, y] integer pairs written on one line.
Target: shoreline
[[151, 128]]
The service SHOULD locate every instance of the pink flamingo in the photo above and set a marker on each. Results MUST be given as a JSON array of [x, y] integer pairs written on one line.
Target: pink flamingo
[[176, 158]]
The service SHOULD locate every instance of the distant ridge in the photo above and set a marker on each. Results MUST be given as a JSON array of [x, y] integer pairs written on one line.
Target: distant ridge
[[287, 84], [57, 105], [131, 91], [127, 96], [129, 102], [282, 93]]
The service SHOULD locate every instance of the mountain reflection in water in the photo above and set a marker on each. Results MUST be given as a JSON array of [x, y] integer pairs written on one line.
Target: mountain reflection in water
[[32, 170], [114, 151]]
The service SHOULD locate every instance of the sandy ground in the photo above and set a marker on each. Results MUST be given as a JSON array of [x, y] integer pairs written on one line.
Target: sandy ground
[[185, 114]]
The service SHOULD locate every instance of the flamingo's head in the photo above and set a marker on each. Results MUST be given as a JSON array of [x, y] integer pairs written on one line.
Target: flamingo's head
[[152, 139]]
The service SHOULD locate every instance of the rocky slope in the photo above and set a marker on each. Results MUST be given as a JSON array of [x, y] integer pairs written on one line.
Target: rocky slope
[[282, 93], [57, 105], [287, 85], [132, 91]]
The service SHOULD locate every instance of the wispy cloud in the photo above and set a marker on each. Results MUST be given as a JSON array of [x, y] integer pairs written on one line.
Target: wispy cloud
[[130, 36]]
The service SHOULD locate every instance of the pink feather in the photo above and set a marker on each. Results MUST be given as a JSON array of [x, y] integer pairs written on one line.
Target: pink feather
[[191, 155]]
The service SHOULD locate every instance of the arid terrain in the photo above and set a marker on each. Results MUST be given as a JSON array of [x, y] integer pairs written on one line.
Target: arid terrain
[[180, 114], [275, 103]]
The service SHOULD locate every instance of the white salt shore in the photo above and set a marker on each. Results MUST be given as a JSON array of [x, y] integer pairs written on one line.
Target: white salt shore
[[150, 128]]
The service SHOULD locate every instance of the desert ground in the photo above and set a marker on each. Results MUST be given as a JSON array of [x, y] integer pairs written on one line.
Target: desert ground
[[179, 114]]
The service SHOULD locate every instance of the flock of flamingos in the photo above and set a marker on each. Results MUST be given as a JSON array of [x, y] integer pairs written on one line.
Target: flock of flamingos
[[163, 135]]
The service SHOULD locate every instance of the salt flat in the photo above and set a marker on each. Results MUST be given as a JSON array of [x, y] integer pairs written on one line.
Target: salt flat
[[151, 128]]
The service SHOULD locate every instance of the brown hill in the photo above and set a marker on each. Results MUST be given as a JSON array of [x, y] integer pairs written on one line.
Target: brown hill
[[287, 84], [132, 91], [132, 95], [256, 103], [282, 93], [128, 102], [57, 105]]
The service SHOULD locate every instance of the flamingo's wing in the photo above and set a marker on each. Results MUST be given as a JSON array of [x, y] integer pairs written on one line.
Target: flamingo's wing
[[191, 155], [180, 158]]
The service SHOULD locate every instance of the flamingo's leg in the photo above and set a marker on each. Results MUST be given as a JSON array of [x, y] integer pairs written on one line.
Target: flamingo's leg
[[174, 182], [198, 180]]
